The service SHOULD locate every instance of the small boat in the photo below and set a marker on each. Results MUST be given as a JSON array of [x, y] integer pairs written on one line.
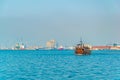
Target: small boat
[[82, 49]]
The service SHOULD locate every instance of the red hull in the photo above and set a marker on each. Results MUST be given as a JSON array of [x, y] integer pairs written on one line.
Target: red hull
[[82, 51]]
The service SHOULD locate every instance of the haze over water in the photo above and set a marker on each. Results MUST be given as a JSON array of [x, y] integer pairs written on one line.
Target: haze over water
[[59, 65], [34, 22]]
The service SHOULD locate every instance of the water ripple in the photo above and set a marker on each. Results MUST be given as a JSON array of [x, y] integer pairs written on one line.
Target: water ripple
[[59, 65]]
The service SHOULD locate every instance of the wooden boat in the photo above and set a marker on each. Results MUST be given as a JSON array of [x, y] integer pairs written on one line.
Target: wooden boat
[[81, 49]]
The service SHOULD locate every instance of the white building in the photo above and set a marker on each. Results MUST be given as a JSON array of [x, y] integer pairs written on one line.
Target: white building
[[51, 44]]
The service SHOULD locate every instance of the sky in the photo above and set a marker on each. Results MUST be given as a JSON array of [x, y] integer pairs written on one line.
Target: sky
[[34, 22]]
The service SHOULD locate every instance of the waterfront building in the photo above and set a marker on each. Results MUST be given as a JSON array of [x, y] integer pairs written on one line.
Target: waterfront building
[[51, 44], [100, 47], [106, 48], [115, 48]]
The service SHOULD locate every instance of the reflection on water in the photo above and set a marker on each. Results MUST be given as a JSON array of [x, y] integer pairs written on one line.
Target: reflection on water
[[59, 65]]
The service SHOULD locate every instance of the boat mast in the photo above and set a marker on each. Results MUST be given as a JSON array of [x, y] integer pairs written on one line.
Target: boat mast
[[81, 42]]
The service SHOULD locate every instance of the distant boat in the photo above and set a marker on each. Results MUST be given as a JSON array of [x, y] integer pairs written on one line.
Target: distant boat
[[61, 48], [81, 49]]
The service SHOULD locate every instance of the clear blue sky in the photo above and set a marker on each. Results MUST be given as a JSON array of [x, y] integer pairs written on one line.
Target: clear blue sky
[[36, 21]]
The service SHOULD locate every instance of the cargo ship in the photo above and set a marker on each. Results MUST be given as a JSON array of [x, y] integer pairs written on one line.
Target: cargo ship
[[81, 49]]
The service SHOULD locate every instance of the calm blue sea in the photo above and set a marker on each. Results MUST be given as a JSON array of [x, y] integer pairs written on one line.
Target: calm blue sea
[[59, 65]]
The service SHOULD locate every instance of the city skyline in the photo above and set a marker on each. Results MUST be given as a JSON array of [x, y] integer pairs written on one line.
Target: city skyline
[[35, 22]]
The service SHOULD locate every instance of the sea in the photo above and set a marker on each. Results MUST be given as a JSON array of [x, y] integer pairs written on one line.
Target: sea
[[59, 65]]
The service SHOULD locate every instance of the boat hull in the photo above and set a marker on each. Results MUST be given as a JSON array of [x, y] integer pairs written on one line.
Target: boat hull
[[82, 51]]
